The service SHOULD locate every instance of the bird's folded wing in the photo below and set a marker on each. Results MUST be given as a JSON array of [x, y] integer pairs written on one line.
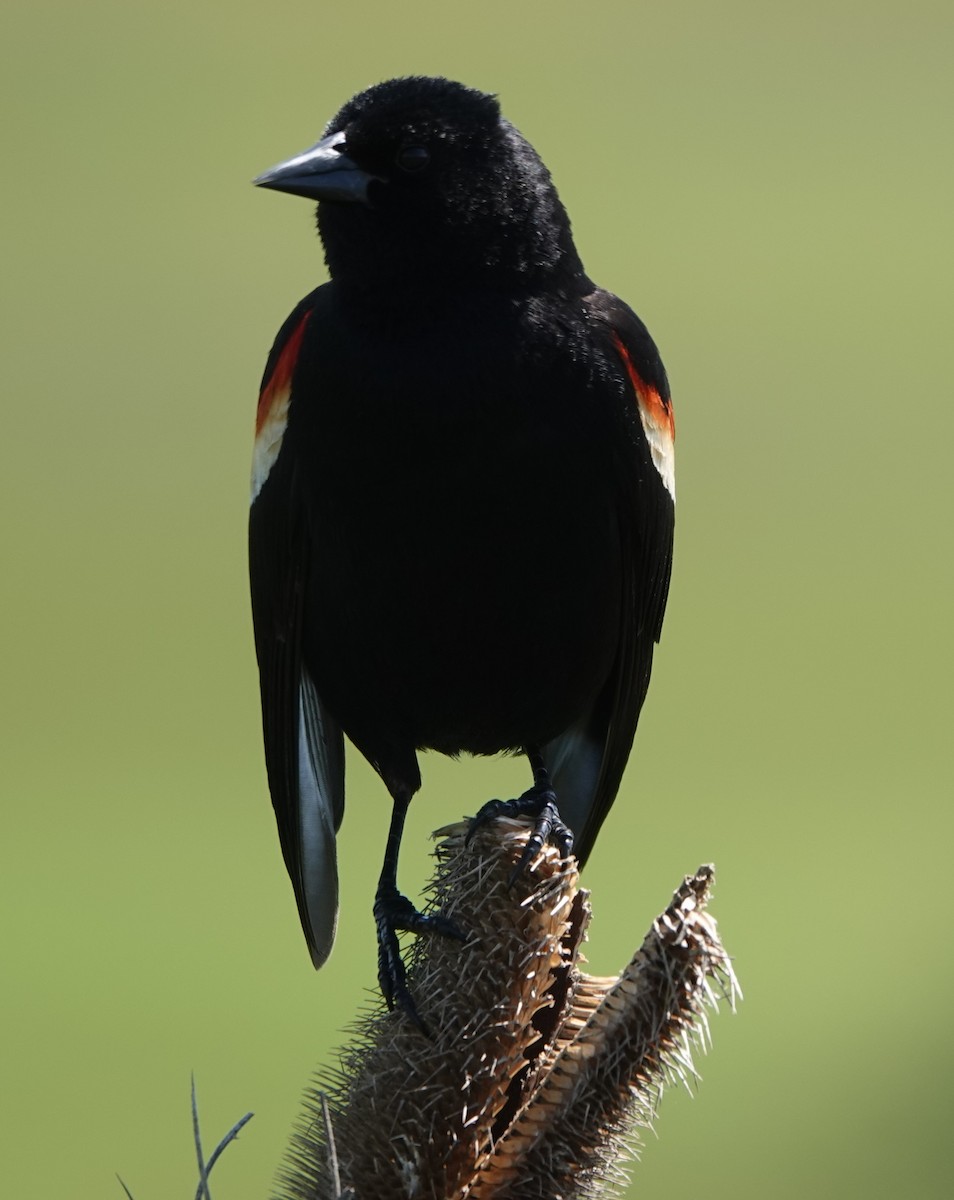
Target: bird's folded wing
[[586, 762], [304, 747]]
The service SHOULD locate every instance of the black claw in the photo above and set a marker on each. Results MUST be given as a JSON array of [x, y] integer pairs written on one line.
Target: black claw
[[549, 827], [446, 928], [393, 912], [489, 812]]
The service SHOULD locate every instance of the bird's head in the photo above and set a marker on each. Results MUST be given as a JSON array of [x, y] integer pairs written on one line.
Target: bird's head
[[422, 179]]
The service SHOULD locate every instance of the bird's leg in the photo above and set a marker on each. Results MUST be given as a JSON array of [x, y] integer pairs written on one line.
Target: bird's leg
[[394, 912], [540, 802]]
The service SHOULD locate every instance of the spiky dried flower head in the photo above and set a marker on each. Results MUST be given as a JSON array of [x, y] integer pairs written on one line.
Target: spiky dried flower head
[[536, 1075]]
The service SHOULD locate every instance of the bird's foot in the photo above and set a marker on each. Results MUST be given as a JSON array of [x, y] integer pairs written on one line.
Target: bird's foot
[[393, 912], [539, 803]]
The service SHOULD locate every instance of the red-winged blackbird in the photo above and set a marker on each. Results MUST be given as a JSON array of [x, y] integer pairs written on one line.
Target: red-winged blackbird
[[462, 493]]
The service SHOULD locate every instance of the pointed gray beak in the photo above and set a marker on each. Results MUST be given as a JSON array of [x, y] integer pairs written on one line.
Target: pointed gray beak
[[325, 172]]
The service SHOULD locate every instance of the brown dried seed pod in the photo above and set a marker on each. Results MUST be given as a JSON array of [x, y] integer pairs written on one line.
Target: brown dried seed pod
[[536, 1074]]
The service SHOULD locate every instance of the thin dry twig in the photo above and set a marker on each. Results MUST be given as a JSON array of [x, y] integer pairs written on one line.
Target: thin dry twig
[[229, 1137], [205, 1168], [203, 1190]]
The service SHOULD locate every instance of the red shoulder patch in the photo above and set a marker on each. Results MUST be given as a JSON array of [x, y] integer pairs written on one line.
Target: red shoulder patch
[[280, 380], [649, 399], [657, 418], [272, 415]]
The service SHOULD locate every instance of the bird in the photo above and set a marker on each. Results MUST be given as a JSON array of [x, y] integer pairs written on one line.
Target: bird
[[462, 497]]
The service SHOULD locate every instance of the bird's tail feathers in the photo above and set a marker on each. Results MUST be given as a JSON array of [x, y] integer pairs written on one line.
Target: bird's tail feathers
[[320, 809]]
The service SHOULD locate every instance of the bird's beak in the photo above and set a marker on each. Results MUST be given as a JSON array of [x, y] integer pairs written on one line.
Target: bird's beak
[[325, 172]]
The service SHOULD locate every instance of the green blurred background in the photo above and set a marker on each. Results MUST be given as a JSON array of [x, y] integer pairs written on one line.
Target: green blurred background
[[771, 187]]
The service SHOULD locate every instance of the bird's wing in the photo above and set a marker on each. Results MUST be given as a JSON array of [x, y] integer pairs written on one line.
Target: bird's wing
[[586, 762], [304, 748]]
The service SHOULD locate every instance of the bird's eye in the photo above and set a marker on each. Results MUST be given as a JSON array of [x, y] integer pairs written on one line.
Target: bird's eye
[[413, 158]]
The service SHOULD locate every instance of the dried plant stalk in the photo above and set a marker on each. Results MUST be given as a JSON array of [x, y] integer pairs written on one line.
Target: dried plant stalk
[[536, 1076]]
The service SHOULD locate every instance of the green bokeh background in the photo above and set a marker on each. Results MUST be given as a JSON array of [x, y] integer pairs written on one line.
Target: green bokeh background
[[771, 187]]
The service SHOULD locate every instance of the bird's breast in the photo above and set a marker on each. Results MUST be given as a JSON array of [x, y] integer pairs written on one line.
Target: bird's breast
[[465, 582]]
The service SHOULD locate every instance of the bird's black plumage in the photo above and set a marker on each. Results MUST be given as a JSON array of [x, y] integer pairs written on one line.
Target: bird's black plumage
[[462, 515]]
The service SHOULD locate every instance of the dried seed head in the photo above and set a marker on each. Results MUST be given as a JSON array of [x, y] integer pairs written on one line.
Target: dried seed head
[[536, 1075]]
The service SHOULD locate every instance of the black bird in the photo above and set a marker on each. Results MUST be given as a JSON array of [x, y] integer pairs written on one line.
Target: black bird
[[462, 493]]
